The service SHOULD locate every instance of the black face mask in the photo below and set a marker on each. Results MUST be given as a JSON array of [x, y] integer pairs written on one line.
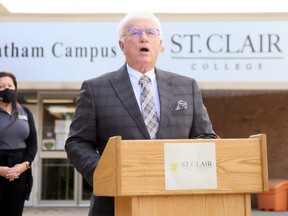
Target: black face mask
[[8, 95]]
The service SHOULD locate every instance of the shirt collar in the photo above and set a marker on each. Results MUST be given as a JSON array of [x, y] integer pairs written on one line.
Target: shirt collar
[[135, 75]]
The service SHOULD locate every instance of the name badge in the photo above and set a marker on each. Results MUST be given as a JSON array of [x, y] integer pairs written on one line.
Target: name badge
[[23, 117]]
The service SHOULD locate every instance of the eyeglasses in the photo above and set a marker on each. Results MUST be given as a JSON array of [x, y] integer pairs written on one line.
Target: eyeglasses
[[137, 32]]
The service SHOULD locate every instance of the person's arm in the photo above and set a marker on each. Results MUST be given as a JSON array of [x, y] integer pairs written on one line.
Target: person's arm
[[82, 141], [202, 126], [23, 166], [31, 141]]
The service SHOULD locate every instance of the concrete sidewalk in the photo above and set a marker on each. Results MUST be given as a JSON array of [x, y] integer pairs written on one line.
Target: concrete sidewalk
[[83, 211], [55, 211], [269, 213]]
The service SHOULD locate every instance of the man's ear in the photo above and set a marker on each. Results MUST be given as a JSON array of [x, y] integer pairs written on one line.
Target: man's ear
[[121, 45], [160, 45]]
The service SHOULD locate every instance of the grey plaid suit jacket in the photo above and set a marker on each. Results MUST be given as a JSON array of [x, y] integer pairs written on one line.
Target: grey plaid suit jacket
[[107, 107]]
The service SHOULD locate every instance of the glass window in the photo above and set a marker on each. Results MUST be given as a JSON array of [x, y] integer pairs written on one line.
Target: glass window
[[57, 180], [57, 115]]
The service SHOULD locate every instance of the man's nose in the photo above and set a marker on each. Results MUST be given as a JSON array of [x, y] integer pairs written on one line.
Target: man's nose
[[143, 36]]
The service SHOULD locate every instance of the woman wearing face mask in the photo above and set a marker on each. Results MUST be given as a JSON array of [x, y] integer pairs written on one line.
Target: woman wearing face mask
[[18, 147]]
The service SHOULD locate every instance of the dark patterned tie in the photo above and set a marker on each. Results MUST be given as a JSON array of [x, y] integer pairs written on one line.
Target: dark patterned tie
[[148, 107]]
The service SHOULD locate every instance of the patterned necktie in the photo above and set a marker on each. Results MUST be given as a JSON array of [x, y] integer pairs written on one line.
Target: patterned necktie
[[148, 107]]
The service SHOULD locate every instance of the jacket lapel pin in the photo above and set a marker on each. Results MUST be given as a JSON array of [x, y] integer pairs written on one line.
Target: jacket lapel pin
[[181, 105]]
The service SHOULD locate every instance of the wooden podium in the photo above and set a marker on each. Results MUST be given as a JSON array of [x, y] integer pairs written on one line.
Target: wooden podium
[[132, 171]]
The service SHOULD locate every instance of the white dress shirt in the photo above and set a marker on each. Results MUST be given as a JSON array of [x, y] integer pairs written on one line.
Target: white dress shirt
[[135, 77]]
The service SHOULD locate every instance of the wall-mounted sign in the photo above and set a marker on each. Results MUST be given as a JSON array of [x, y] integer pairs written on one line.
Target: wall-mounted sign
[[207, 51]]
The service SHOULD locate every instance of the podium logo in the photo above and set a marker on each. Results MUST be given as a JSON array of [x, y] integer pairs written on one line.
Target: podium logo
[[192, 166], [200, 166], [174, 166]]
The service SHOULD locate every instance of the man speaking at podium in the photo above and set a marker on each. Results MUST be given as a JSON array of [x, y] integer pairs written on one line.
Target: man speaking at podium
[[138, 101]]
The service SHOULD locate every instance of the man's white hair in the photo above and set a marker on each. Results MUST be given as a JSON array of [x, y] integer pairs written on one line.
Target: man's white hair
[[137, 15]]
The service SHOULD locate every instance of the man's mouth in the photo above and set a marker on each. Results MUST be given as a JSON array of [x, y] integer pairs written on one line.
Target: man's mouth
[[144, 49]]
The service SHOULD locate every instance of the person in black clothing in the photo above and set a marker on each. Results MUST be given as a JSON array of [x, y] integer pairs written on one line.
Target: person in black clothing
[[18, 147]]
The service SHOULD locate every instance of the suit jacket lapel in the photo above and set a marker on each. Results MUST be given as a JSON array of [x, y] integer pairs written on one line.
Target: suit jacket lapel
[[165, 95], [124, 90]]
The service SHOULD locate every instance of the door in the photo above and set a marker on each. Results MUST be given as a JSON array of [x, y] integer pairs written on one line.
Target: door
[[59, 182]]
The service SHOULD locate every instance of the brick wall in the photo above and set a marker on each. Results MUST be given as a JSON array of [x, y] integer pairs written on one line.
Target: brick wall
[[240, 117]]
